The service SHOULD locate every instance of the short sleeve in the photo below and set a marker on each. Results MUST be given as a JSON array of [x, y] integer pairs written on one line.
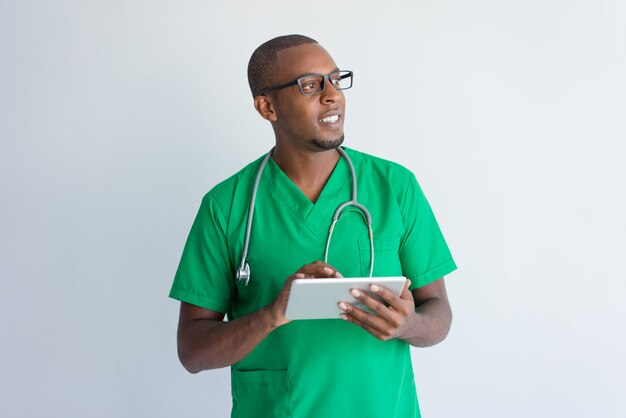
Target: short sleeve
[[424, 254], [203, 277]]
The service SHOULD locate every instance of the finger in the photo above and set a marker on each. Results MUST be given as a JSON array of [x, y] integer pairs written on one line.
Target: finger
[[362, 317], [319, 269], [395, 302], [294, 277], [316, 271], [378, 307], [288, 282], [386, 295], [406, 293], [279, 306], [407, 296], [367, 327]]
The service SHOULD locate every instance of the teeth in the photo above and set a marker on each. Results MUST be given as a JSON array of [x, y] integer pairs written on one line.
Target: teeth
[[330, 119]]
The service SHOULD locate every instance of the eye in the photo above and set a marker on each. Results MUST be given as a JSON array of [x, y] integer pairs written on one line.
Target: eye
[[311, 85]]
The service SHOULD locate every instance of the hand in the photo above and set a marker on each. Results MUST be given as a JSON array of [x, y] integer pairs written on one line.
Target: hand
[[387, 322], [317, 269]]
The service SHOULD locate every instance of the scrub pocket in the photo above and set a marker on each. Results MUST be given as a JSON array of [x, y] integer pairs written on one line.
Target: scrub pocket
[[386, 257], [259, 393]]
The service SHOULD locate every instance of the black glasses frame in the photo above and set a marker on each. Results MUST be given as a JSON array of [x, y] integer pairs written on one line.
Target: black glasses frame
[[342, 75]]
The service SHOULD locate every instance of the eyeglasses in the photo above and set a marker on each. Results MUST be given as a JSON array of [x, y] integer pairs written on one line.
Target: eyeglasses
[[315, 83]]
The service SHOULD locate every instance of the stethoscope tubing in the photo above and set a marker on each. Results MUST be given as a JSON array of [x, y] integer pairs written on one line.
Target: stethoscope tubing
[[243, 272]]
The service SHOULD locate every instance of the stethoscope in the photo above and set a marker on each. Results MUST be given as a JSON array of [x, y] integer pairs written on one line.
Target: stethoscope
[[243, 272]]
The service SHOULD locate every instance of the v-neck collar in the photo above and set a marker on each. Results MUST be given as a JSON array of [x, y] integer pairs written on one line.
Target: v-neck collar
[[318, 214]]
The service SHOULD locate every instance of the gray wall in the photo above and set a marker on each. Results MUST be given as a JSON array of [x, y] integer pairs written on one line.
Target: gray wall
[[116, 117]]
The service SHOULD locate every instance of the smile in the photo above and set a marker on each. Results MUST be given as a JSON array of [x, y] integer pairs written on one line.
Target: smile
[[330, 119]]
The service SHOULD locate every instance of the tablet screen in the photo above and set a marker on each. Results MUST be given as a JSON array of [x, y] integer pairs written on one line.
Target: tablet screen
[[318, 298]]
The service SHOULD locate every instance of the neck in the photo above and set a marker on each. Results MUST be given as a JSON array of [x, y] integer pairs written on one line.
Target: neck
[[308, 170]]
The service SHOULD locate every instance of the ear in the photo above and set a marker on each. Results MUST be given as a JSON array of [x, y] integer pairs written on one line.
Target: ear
[[265, 107]]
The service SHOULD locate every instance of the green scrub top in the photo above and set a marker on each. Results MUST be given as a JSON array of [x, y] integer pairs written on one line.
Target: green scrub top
[[313, 368]]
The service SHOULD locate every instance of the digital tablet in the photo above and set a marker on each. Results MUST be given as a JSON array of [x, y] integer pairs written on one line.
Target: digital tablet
[[318, 298]]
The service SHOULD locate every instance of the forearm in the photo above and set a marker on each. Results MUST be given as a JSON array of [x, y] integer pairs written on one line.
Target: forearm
[[206, 342], [209, 344], [430, 324]]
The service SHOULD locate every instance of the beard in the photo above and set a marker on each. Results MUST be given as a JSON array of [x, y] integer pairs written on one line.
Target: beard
[[327, 144]]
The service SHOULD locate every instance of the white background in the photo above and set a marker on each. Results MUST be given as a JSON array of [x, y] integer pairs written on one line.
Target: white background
[[117, 116]]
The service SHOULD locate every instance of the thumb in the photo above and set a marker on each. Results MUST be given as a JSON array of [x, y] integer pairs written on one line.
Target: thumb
[[405, 290]]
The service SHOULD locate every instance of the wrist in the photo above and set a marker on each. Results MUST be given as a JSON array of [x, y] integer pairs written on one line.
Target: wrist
[[412, 327]]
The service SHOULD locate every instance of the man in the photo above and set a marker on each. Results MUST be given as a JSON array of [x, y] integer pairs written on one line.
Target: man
[[358, 365]]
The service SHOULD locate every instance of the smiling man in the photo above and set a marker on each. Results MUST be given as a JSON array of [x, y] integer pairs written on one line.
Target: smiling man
[[358, 365]]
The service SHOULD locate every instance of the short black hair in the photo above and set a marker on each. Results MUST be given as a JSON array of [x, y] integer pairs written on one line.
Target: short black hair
[[263, 63]]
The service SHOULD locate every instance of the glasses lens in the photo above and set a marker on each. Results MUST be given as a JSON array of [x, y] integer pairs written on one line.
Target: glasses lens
[[314, 84], [342, 80], [311, 85]]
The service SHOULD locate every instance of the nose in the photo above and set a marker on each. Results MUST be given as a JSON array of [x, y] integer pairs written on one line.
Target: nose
[[330, 93]]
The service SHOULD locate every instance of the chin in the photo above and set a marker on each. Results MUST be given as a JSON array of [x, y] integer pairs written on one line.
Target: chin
[[327, 144]]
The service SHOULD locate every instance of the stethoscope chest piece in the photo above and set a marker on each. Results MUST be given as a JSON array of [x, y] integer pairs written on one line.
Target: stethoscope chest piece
[[243, 275]]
